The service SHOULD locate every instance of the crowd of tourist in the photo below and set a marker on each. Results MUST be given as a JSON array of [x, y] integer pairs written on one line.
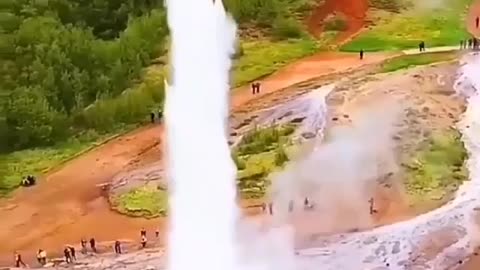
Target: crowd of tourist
[[69, 251]]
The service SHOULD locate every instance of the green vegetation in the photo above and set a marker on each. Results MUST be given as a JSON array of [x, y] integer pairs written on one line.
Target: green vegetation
[[262, 57], [438, 27], [260, 152], [263, 139], [146, 201], [438, 169], [79, 67], [407, 61]]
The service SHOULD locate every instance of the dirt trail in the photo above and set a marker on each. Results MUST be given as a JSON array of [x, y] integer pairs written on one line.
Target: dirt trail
[[67, 205], [355, 12]]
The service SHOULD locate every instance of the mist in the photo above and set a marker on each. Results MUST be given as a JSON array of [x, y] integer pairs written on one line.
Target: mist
[[340, 174]]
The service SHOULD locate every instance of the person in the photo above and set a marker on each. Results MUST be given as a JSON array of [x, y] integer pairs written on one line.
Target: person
[[470, 43], [67, 254], [118, 248], [72, 252], [264, 207], [83, 242], [477, 21], [361, 54], [306, 203], [152, 117], [270, 208], [254, 88], [143, 232], [421, 46], [42, 257], [92, 244], [144, 241], [258, 87], [18, 260], [372, 209], [157, 233]]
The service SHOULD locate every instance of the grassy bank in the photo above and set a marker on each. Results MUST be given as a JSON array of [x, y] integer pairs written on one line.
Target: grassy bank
[[438, 169], [16, 165], [408, 61], [263, 57], [395, 31], [146, 201]]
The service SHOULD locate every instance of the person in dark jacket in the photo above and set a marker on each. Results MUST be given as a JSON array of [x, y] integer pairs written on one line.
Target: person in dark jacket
[[68, 255], [118, 248], [93, 244]]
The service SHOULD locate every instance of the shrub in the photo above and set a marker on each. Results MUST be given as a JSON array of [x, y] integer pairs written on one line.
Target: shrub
[[287, 28], [262, 140], [130, 107]]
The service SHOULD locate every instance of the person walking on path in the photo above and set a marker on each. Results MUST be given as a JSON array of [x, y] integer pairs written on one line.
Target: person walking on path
[[144, 241], [361, 54], [42, 257], [72, 253], [254, 88], [143, 232], [83, 243], [477, 22], [372, 206], [421, 46], [67, 254], [18, 260], [258, 87], [118, 248], [93, 245]]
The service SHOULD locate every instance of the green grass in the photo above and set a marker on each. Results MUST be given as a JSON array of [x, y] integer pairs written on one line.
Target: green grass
[[438, 27], [262, 57], [260, 152], [263, 140], [438, 169], [146, 201], [408, 61], [38, 161]]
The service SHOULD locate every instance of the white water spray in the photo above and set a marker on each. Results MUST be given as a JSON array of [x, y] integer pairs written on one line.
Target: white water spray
[[202, 174]]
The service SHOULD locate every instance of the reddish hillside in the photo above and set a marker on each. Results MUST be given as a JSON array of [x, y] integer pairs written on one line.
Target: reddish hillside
[[354, 10]]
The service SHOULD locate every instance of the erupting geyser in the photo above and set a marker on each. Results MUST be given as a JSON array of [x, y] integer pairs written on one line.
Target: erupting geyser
[[201, 171]]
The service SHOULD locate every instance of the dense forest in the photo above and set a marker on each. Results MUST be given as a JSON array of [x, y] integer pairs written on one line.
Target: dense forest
[[64, 63]]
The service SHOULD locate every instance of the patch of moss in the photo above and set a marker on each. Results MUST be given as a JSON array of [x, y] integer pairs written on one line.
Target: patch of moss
[[260, 152], [438, 169], [263, 140], [145, 201]]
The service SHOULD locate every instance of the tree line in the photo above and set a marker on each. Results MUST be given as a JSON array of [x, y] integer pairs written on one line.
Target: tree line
[[66, 64]]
